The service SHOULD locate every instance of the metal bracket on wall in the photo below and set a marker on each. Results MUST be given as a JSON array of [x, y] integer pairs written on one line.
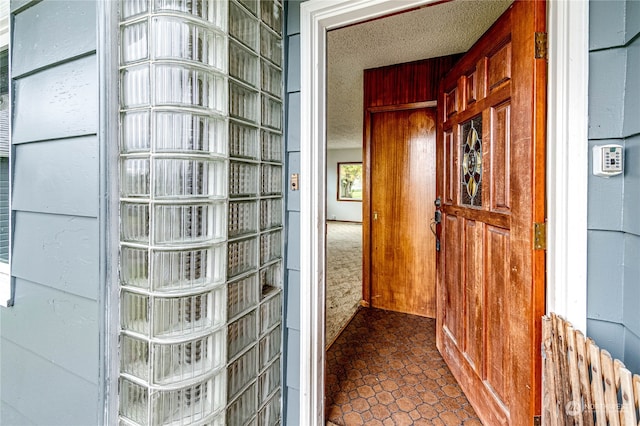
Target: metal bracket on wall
[[294, 182]]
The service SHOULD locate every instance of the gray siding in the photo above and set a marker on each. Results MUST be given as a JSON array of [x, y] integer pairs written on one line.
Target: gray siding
[[4, 209], [292, 280], [614, 204], [49, 340]]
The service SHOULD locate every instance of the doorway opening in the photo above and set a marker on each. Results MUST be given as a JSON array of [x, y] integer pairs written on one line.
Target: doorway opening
[[567, 126], [396, 141]]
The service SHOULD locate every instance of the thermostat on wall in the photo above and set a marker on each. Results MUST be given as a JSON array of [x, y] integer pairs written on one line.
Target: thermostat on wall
[[607, 160]]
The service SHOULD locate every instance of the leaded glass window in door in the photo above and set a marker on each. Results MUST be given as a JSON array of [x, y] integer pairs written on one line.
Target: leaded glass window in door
[[471, 164]]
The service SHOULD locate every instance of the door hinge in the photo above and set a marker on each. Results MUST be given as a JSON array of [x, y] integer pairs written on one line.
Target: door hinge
[[537, 421], [540, 236], [541, 45]]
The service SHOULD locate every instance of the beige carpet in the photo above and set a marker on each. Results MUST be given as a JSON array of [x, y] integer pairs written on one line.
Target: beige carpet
[[344, 275]]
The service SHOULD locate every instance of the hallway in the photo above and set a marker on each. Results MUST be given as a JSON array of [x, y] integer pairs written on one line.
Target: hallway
[[384, 369]]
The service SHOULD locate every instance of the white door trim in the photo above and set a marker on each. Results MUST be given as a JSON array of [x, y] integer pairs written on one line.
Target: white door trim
[[566, 170]]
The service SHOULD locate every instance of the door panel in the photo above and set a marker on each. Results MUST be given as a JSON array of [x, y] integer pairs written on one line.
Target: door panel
[[490, 167], [402, 193], [474, 296]]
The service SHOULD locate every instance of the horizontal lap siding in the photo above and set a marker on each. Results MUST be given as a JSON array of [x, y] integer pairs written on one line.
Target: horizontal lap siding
[[613, 246], [50, 338]]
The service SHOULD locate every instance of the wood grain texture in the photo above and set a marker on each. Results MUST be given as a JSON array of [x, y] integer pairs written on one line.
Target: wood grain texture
[[405, 83], [402, 193], [500, 79], [393, 88]]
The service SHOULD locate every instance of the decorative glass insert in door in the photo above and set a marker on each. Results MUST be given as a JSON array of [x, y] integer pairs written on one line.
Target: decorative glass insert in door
[[471, 164], [201, 212]]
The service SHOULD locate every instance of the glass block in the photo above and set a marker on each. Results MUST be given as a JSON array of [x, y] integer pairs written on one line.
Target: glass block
[[252, 5], [242, 295], [270, 312], [175, 362], [271, 146], [134, 177], [271, 14], [271, 113], [134, 402], [134, 222], [178, 131], [241, 334], [270, 46], [271, 180], [241, 372], [270, 213], [268, 381], [241, 256], [183, 270], [270, 278], [270, 414], [243, 140], [134, 267], [189, 178], [135, 86], [135, 131], [243, 179], [172, 362], [188, 223], [270, 346], [270, 246], [135, 312], [176, 38], [271, 79], [242, 218], [214, 12], [243, 64], [135, 42], [243, 408], [243, 26], [181, 316], [185, 405], [181, 85], [243, 102], [132, 8]]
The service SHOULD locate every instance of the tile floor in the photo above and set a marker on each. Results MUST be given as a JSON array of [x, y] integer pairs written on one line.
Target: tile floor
[[384, 369]]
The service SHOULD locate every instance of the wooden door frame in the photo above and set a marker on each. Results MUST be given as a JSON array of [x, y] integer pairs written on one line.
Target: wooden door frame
[[366, 200], [566, 168]]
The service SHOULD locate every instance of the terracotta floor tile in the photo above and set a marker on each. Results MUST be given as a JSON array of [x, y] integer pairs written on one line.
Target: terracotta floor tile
[[382, 371]]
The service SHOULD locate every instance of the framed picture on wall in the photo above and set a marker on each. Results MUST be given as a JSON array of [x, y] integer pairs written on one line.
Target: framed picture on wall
[[349, 181]]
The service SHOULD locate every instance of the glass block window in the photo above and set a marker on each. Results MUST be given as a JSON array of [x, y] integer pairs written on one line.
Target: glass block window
[[255, 218], [471, 164], [201, 188]]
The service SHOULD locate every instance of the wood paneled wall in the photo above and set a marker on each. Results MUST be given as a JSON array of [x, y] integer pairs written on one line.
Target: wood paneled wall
[[405, 83], [394, 87]]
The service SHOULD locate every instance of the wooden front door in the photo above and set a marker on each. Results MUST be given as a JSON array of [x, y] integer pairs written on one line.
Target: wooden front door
[[402, 192], [491, 172]]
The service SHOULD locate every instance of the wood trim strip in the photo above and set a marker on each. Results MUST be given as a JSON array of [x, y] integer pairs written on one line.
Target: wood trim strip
[[499, 220], [403, 107]]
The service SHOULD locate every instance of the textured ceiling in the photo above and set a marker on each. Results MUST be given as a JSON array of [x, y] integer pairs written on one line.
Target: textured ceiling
[[433, 31]]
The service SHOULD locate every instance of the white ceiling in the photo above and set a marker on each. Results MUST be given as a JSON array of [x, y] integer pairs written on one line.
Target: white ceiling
[[429, 32]]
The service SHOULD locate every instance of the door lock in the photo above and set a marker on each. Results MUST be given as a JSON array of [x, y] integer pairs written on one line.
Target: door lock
[[437, 219]]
